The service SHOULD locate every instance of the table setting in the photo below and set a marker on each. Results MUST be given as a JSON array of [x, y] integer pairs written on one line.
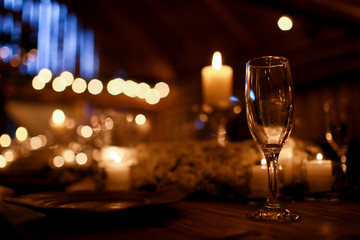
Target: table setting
[[173, 189]]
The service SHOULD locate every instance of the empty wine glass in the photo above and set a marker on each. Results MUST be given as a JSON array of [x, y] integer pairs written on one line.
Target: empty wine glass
[[269, 110], [338, 128]]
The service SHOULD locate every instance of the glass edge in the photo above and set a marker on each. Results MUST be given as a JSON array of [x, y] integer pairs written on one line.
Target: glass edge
[[262, 57]]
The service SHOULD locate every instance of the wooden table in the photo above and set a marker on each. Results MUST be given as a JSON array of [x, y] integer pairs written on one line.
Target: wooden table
[[186, 219]]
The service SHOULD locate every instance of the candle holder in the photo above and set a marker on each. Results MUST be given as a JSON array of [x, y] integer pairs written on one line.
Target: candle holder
[[218, 118]]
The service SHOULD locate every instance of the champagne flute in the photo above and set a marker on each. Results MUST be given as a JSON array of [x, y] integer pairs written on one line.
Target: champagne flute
[[338, 129], [269, 110]]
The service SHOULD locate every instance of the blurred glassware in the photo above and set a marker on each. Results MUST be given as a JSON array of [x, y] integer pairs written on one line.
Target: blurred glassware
[[338, 129]]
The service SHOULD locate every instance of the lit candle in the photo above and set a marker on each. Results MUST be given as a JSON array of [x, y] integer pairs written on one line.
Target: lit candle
[[117, 176], [319, 175], [57, 119], [117, 167], [259, 180], [217, 83], [286, 161]]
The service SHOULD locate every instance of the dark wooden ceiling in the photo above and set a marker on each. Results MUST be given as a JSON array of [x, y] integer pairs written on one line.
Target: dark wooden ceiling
[[160, 40]]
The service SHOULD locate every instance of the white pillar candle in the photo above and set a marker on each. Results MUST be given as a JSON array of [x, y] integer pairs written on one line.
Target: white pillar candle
[[259, 181], [117, 176], [217, 81], [319, 175], [287, 163], [117, 163]]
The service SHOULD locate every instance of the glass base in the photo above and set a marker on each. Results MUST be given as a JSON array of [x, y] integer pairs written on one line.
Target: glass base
[[274, 215]]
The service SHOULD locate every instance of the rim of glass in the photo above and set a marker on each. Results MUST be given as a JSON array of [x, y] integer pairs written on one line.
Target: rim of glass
[[267, 66]]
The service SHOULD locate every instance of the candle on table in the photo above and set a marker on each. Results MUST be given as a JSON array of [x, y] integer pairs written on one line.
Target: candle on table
[[117, 168], [319, 175], [117, 176], [217, 83], [259, 180], [287, 163]]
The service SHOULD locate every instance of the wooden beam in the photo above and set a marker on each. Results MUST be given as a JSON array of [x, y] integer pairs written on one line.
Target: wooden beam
[[231, 23]]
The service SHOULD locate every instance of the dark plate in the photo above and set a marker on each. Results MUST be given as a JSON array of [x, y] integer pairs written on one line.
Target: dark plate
[[94, 202]]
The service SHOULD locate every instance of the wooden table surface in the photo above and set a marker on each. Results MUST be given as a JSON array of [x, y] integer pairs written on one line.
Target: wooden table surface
[[187, 219]]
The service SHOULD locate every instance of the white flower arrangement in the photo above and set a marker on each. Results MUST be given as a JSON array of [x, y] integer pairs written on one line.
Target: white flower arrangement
[[195, 166], [203, 166]]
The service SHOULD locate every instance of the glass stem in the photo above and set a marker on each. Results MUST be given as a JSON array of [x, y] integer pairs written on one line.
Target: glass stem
[[272, 164], [221, 132]]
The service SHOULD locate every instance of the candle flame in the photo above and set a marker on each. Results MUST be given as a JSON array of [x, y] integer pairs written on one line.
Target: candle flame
[[319, 156], [115, 156], [216, 61], [58, 117], [263, 163]]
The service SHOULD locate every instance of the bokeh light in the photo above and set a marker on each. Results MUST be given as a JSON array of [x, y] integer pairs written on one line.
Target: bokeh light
[[37, 83], [5, 140], [130, 88], [81, 158], [58, 84], [285, 23], [109, 123], [43, 140], [237, 109], [79, 85], [4, 52], [116, 86], [95, 86], [58, 161], [35, 143], [2, 161], [21, 134], [140, 119], [69, 156], [9, 155], [163, 89], [152, 96], [129, 117], [67, 77], [15, 60], [58, 117], [141, 90], [86, 131], [45, 75]]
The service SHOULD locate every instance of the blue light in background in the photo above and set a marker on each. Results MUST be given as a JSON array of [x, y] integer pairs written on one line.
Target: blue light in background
[[87, 60], [14, 5], [43, 45], [1, 23], [26, 10], [8, 4], [17, 5], [8, 55], [233, 99], [54, 38], [62, 45], [62, 24], [70, 39], [198, 124], [252, 95], [34, 16], [8, 23], [16, 32]]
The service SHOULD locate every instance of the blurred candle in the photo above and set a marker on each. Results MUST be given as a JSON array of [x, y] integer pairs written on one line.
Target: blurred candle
[[259, 180], [286, 160], [319, 175], [217, 83], [117, 176], [117, 167]]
